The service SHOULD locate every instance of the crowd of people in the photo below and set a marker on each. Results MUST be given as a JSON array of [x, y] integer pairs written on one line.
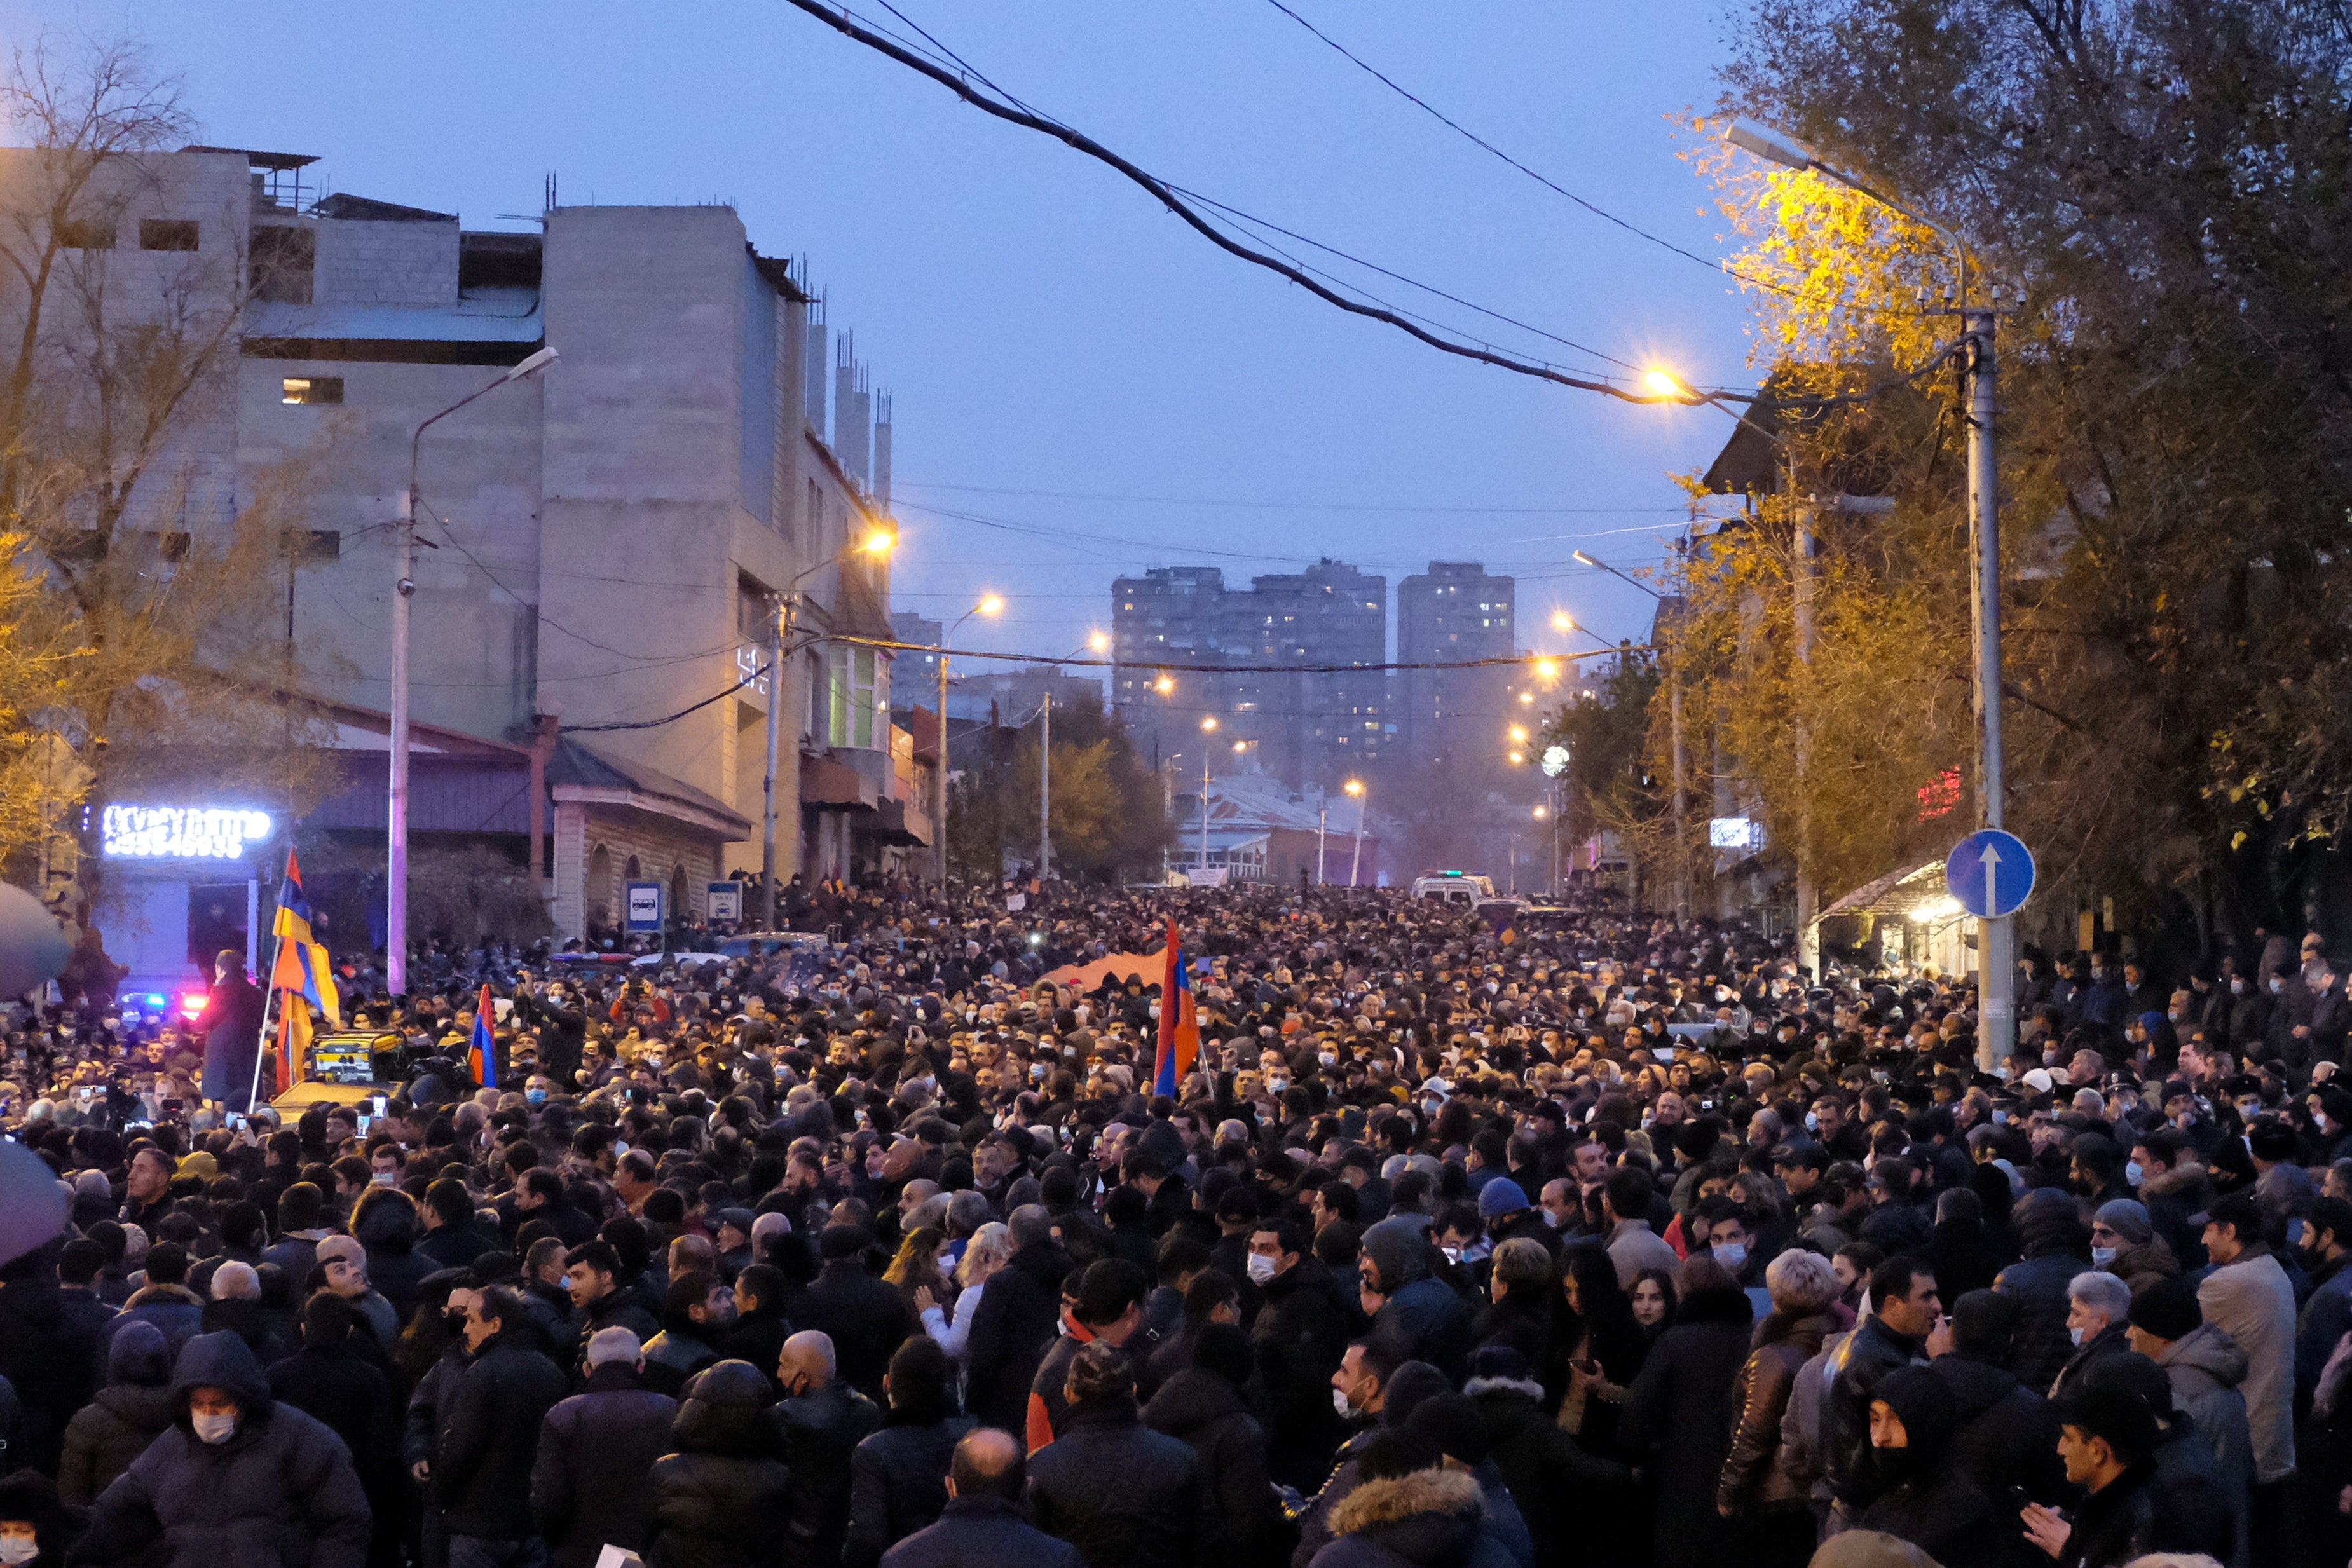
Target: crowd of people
[[1611, 1240]]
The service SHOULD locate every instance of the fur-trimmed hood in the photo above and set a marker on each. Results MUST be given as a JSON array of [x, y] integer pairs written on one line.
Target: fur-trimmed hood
[[1396, 1500], [1527, 1386], [2184, 1180]]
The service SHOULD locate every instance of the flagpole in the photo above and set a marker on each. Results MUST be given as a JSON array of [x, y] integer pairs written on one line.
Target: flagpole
[[274, 1005]]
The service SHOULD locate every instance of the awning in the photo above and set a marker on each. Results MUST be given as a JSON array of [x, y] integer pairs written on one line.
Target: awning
[[1870, 893], [835, 785], [895, 822]]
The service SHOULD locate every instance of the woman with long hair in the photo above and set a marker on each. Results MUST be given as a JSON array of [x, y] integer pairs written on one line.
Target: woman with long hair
[[1598, 1348], [990, 1248], [1764, 1485], [920, 1265]]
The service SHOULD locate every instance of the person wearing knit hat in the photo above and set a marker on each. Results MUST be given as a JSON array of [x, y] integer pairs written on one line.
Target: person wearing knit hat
[[1501, 1198], [2124, 1243], [2205, 1368]]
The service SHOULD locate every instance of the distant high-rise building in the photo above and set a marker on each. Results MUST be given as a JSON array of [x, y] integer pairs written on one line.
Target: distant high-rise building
[[1305, 728], [1455, 719], [906, 626]]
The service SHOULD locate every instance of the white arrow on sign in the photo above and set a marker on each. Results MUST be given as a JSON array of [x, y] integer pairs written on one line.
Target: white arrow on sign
[[1991, 860]]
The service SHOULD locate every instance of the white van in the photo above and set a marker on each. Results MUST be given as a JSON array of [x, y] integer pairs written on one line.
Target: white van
[[1461, 887]]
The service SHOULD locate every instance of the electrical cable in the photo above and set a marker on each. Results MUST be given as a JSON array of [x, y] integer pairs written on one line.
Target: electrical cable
[[1545, 181], [1009, 112]]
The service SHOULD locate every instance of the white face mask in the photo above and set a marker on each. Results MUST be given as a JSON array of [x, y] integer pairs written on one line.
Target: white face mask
[[2074, 1334], [1339, 1403], [2134, 1173], [19, 1548], [1731, 1254], [1261, 1268], [2100, 1256], [215, 1428]]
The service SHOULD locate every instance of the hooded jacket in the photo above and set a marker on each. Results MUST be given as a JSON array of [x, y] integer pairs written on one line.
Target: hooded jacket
[[115, 1428], [2055, 1254], [1126, 1496], [386, 1228], [1933, 1505], [1430, 1519], [2007, 1435], [1680, 1404], [50, 1345], [2207, 1372], [279, 1492], [724, 1499], [1863, 1358]]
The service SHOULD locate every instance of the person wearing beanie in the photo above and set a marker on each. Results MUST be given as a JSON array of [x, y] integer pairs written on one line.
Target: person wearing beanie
[[2110, 1441], [2206, 1369], [2124, 1242]]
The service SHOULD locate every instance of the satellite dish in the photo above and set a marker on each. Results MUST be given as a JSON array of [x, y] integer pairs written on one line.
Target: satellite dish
[[33, 946]]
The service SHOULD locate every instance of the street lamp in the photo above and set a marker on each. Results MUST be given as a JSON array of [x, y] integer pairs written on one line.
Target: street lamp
[[1354, 787], [395, 924], [877, 541], [990, 604], [1996, 976]]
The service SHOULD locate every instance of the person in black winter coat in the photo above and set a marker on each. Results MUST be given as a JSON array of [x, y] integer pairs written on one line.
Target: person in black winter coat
[[1014, 1324], [237, 1479], [489, 1436], [1300, 1337], [981, 1526], [2109, 1443], [1411, 1512], [1679, 1409], [2006, 1433], [1903, 1306], [898, 1477], [822, 1421], [593, 1482], [30, 1508], [1124, 1495], [2057, 1248], [328, 1380], [48, 1350], [1568, 1496], [723, 1499], [1935, 1506], [866, 1317], [384, 1222], [1204, 1406], [121, 1418]]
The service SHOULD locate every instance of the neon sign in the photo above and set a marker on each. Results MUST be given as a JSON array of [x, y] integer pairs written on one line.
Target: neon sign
[[180, 833]]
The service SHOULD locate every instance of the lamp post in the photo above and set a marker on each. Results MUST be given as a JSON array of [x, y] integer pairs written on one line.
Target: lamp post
[[1354, 787], [1674, 725], [403, 588], [877, 542], [1996, 971], [990, 604]]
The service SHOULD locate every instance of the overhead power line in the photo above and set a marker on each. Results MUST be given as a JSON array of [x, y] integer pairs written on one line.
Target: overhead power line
[[1710, 262], [959, 81]]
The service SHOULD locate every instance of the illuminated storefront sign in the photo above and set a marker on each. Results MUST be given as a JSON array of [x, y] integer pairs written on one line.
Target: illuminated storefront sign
[[180, 833]]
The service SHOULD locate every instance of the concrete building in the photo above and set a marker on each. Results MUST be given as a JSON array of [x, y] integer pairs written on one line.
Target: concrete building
[[606, 539], [1257, 830], [1454, 722], [1014, 696]]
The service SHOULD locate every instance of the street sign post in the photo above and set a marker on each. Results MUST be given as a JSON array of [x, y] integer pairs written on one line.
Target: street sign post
[[1990, 873], [724, 902], [645, 906]]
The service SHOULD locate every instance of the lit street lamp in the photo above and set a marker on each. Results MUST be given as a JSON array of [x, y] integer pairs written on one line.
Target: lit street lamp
[[1354, 787]]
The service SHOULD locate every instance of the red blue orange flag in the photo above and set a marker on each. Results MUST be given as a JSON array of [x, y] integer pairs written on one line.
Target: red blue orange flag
[[482, 1053], [1180, 1026]]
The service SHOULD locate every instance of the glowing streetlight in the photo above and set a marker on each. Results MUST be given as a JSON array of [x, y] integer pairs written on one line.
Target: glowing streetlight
[[1527, 696], [1099, 642], [1541, 812], [1165, 685], [1561, 620], [1546, 669], [1240, 746], [989, 604], [1354, 787], [1209, 724], [881, 541], [1518, 757], [1519, 732], [1665, 383]]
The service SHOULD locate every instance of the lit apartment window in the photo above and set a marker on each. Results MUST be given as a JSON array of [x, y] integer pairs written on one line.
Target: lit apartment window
[[310, 389]]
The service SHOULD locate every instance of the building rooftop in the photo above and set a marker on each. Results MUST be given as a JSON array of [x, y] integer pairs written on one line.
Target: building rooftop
[[367, 209]]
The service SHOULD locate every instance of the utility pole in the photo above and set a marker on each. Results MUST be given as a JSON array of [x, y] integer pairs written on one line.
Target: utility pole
[[1322, 817], [1995, 939], [939, 790], [1205, 813], [1800, 578], [778, 632], [1045, 786]]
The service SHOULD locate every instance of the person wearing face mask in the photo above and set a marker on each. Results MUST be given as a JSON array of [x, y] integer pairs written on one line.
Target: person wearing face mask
[[2124, 1242], [239, 1478], [2098, 1304], [1301, 1336], [36, 1526]]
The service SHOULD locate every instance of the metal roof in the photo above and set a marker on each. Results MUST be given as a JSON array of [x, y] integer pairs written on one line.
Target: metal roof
[[260, 160]]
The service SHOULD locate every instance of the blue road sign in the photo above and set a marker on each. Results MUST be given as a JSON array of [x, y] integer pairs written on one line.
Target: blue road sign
[[1990, 873]]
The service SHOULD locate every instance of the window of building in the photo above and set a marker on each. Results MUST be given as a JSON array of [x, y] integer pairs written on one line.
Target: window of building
[[858, 700], [86, 233], [310, 389], [167, 233], [280, 264]]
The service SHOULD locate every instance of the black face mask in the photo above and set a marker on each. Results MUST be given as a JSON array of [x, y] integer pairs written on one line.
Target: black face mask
[[456, 1324]]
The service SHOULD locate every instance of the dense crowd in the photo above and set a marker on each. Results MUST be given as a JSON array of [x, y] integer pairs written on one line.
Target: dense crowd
[[1604, 1240]]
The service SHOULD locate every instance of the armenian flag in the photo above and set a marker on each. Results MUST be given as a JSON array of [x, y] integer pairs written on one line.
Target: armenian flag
[[482, 1052], [1180, 1026], [301, 975]]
